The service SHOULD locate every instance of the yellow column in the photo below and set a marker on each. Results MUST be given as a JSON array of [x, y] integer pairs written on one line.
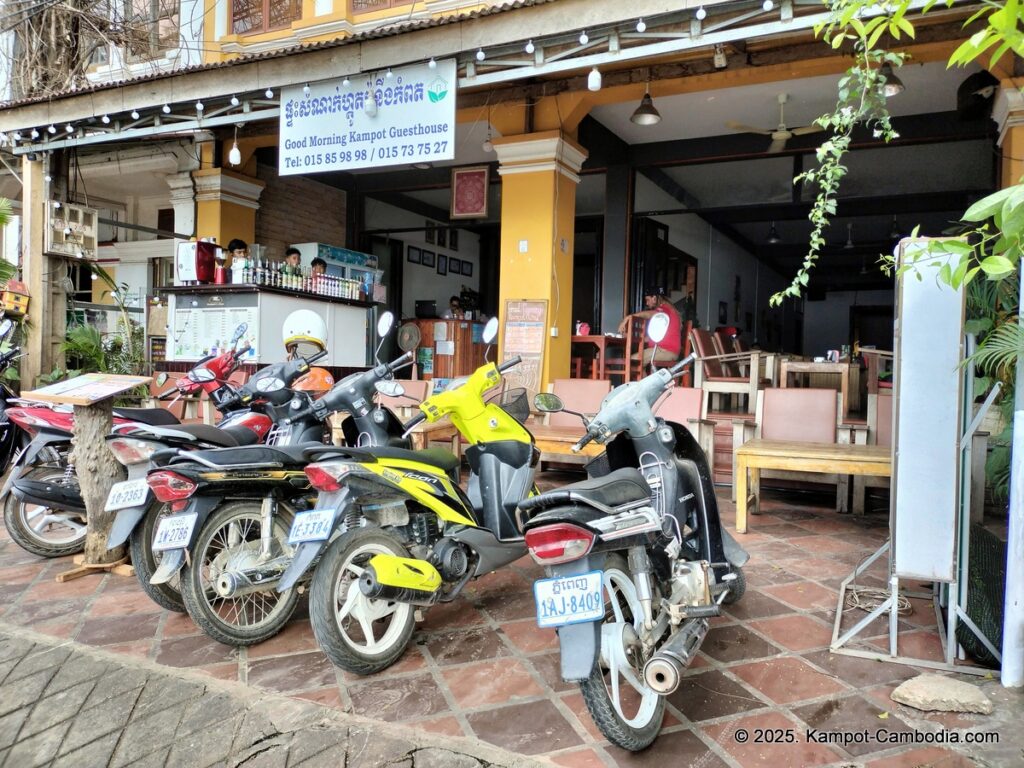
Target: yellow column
[[226, 204], [539, 174]]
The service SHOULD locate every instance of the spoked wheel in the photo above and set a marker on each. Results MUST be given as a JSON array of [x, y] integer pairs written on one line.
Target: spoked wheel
[[42, 530], [146, 560], [357, 633], [228, 544], [625, 709]]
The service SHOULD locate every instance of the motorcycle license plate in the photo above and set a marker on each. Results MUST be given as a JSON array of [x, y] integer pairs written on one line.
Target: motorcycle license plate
[[569, 599], [174, 532], [130, 493], [313, 525]]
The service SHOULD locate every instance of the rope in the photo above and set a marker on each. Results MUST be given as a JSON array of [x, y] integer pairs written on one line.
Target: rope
[[869, 598]]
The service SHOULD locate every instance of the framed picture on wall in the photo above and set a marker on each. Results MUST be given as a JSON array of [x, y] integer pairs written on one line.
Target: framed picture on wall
[[442, 264], [453, 239], [442, 237], [427, 259], [413, 255], [467, 268], [723, 307], [469, 192], [429, 235], [454, 266]]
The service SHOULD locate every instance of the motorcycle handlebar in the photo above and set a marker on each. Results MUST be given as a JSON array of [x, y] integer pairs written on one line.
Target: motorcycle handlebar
[[678, 367], [400, 362], [318, 356], [510, 363], [410, 425], [582, 442]]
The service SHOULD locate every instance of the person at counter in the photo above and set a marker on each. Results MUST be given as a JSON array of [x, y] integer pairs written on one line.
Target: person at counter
[[454, 311], [319, 267], [293, 260], [238, 249]]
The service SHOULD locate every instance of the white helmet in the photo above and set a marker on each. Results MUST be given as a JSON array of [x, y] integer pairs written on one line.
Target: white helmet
[[304, 333]]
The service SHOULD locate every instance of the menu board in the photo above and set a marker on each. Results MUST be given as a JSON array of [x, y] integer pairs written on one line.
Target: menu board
[[526, 323], [86, 389], [203, 331]]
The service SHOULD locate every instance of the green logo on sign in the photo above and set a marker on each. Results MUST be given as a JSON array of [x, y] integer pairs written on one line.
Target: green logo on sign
[[437, 90]]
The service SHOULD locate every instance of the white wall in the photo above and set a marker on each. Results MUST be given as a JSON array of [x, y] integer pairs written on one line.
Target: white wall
[[421, 282], [827, 323]]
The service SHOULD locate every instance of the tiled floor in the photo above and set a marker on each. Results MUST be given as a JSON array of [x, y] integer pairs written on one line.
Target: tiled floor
[[481, 668]]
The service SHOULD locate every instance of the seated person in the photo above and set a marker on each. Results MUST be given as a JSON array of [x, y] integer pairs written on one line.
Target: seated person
[[668, 350], [454, 311]]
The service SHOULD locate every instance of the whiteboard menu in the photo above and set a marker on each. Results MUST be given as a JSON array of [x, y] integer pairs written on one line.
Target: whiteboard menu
[[524, 335], [202, 331]]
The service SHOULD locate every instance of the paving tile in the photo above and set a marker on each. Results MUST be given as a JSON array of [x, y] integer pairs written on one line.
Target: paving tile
[[925, 757], [327, 697], [400, 698], [296, 636], [505, 606], [736, 643], [823, 525], [818, 568], [109, 630], [412, 660], [579, 758], [758, 573], [446, 726], [502, 582], [119, 604], [528, 637], [775, 550], [42, 612], [803, 595], [712, 694], [466, 645], [140, 649], [750, 753], [755, 605], [797, 633], [827, 545], [852, 714], [459, 613], [786, 679], [296, 672], [858, 672], [490, 682], [18, 574], [678, 748], [784, 531], [529, 729], [549, 667], [50, 589], [922, 645], [227, 671], [196, 651], [177, 624]]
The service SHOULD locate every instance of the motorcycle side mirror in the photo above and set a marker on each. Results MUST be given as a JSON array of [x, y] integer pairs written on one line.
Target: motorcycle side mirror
[[389, 388], [657, 327], [5, 327], [161, 378], [545, 402], [239, 332], [201, 375], [490, 330], [384, 324]]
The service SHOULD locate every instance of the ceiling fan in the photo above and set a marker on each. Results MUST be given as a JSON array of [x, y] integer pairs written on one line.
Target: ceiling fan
[[781, 134]]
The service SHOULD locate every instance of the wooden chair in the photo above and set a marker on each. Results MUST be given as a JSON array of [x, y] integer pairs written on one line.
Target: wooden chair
[[580, 395], [876, 360], [714, 378], [769, 372], [630, 366], [683, 405], [797, 416]]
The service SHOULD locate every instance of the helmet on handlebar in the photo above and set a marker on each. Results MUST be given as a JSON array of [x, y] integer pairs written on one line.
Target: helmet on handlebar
[[304, 333], [317, 382]]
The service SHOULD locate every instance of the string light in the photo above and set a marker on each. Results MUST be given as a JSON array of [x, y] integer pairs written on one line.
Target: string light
[[52, 129], [47, 178], [17, 135], [641, 26], [135, 114], [200, 106], [530, 47], [701, 14], [584, 39], [105, 119], [35, 133], [166, 109], [767, 5], [305, 90], [389, 74], [594, 80], [69, 128], [234, 101], [371, 105], [269, 94], [346, 82], [480, 55], [432, 63], [235, 154]]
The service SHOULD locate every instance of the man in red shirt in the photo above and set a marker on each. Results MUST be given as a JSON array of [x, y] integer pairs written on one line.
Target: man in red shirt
[[655, 301]]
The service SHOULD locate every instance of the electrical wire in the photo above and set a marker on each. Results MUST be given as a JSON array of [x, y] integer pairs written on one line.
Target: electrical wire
[[869, 598]]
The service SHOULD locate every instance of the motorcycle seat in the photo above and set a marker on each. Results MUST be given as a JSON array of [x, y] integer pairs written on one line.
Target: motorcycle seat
[[155, 417], [621, 487], [441, 458], [277, 455]]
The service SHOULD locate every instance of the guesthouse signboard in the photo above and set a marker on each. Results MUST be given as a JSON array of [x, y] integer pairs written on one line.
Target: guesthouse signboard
[[370, 120]]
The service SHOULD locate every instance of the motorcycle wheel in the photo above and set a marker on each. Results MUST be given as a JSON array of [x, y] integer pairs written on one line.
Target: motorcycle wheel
[[738, 588], [359, 634], [146, 561], [41, 530], [625, 710], [231, 535]]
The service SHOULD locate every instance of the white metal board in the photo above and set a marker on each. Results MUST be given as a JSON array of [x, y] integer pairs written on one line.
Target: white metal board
[[927, 421]]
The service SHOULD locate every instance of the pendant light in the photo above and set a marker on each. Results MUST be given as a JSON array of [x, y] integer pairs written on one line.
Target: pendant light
[[773, 235], [892, 85], [850, 245], [646, 113], [235, 155]]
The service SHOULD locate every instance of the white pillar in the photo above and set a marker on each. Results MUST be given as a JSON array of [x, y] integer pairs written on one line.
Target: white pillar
[[1012, 672], [183, 202]]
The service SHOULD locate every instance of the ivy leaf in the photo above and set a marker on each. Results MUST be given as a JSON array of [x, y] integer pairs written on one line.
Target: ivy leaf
[[987, 207], [997, 266]]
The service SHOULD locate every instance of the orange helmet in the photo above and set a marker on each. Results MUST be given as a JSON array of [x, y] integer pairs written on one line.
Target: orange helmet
[[317, 382]]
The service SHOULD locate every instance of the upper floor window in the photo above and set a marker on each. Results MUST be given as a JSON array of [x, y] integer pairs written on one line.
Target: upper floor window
[[252, 16], [153, 27], [366, 6]]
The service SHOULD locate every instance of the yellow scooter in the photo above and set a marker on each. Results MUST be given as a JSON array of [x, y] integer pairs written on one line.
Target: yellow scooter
[[406, 534]]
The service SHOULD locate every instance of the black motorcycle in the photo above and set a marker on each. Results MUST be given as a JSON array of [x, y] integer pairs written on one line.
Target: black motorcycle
[[637, 558]]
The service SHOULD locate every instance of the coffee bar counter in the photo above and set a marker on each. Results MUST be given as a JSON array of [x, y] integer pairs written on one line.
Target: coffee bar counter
[[449, 348], [202, 318]]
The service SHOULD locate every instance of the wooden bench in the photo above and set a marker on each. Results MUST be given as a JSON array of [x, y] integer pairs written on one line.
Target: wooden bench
[[554, 444], [828, 458]]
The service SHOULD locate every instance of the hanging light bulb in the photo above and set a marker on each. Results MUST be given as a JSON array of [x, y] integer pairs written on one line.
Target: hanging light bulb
[[346, 82], [850, 245], [92, 276], [530, 47], [234, 101], [305, 90], [432, 63], [488, 145], [767, 5], [594, 80], [17, 135], [56, 204], [641, 26], [67, 231], [47, 178], [584, 39], [773, 235], [105, 119], [69, 128], [389, 74], [200, 106], [371, 105], [235, 154], [646, 113], [35, 133], [52, 129], [166, 109], [892, 86], [135, 114], [480, 55], [269, 93], [701, 14]]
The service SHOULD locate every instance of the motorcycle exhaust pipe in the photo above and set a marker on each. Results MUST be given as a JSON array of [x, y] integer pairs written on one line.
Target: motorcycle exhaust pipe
[[231, 584], [664, 670], [373, 588]]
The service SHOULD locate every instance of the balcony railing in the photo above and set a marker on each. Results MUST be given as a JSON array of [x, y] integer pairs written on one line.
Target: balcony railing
[[368, 6]]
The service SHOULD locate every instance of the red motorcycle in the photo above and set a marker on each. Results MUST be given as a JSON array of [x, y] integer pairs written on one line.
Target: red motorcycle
[[43, 507]]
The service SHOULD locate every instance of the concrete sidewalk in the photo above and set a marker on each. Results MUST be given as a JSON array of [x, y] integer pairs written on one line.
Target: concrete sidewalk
[[62, 703]]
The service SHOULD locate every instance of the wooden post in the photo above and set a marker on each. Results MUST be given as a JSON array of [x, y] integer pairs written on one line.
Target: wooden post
[[97, 471]]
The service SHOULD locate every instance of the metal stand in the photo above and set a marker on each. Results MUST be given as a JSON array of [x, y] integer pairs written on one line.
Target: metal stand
[[949, 599]]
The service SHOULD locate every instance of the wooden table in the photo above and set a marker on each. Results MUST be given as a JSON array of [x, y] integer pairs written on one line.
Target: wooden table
[[554, 444], [757, 454], [802, 366], [603, 344]]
